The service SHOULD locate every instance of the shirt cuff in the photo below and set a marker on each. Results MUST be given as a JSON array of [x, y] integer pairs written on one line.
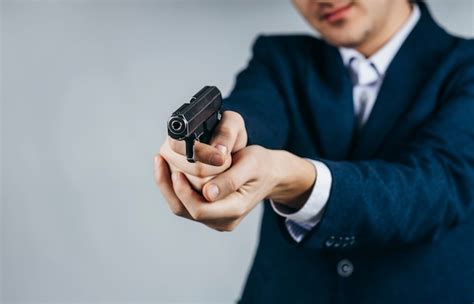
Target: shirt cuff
[[302, 221]]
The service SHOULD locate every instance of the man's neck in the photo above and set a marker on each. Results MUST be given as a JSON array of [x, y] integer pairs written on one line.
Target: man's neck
[[392, 26]]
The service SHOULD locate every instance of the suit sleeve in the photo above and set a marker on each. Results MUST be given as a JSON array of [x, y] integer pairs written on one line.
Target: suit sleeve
[[256, 96], [426, 189]]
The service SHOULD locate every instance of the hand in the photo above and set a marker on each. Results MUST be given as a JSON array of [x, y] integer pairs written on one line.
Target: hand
[[256, 173], [242, 186], [211, 159]]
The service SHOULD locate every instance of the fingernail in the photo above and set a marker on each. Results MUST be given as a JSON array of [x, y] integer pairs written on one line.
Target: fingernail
[[222, 149], [212, 191], [174, 176]]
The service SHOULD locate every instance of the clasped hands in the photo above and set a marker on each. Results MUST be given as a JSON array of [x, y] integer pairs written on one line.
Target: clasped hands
[[229, 178]]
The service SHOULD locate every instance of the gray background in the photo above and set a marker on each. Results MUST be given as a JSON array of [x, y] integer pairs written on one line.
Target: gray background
[[87, 88]]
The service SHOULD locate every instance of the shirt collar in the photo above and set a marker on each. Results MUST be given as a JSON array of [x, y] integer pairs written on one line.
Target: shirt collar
[[382, 58]]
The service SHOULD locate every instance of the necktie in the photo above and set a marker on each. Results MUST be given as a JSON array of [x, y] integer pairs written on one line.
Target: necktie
[[364, 75]]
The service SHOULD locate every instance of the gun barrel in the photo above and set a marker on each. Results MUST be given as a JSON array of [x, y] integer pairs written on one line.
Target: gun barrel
[[196, 119], [190, 116]]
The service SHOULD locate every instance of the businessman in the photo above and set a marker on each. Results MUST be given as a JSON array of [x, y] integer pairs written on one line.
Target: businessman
[[360, 145]]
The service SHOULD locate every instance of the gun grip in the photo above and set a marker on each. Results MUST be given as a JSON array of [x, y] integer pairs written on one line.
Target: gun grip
[[190, 150]]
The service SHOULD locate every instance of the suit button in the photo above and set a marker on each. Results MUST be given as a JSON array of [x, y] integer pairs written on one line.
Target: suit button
[[352, 242], [329, 241], [345, 268]]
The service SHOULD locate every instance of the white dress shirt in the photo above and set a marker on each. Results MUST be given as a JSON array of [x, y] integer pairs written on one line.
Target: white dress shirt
[[367, 75]]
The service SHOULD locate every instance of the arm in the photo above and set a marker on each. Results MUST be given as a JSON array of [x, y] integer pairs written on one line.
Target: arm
[[426, 189], [257, 98]]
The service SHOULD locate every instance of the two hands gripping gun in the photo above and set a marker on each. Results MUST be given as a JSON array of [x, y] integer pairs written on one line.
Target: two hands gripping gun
[[197, 119]]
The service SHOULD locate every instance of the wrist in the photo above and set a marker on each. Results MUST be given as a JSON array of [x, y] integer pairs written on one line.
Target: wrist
[[294, 179]]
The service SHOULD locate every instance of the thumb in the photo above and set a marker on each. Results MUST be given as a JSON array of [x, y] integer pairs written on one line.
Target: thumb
[[230, 180]]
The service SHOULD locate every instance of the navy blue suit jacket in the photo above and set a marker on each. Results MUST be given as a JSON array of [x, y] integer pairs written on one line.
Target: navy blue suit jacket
[[402, 197]]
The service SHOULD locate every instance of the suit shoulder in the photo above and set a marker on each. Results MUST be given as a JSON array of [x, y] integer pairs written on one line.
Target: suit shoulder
[[466, 47], [462, 54], [459, 68]]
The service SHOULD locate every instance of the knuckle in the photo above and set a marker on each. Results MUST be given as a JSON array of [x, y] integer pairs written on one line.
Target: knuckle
[[199, 170], [231, 184], [252, 161], [254, 148], [166, 152], [237, 118], [196, 182], [232, 115], [228, 115], [224, 131], [172, 143], [227, 229], [224, 228], [240, 211], [178, 210], [210, 159], [197, 214], [230, 227], [172, 146]]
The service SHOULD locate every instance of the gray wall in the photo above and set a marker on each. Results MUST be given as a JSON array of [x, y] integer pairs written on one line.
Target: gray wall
[[87, 88]]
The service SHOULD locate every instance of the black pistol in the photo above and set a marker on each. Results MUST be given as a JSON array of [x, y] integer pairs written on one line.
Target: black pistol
[[197, 119]]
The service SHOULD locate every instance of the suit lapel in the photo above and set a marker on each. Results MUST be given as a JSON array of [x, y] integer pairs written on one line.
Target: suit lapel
[[410, 68], [330, 95]]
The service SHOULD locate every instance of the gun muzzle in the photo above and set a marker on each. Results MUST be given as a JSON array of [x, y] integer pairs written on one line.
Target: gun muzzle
[[197, 119]]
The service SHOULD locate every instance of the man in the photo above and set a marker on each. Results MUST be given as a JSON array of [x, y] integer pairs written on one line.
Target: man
[[363, 144]]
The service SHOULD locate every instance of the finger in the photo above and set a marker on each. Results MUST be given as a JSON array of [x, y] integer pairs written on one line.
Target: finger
[[197, 169], [243, 169], [219, 224], [199, 208], [203, 153], [177, 207], [196, 182], [230, 134], [163, 180]]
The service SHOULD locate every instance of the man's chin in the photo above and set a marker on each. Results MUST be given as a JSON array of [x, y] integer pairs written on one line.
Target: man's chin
[[346, 42], [346, 36]]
